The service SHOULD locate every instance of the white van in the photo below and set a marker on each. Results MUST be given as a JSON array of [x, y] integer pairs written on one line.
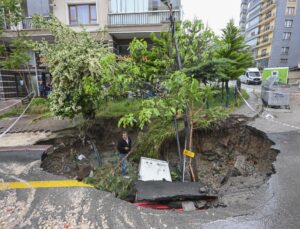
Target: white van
[[252, 75]]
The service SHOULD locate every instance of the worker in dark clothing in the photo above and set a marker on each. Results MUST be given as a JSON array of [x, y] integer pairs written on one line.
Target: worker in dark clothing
[[124, 147]]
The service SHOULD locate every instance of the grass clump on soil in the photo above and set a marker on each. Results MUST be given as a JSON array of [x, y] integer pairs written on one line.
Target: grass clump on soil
[[39, 106], [108, 178]]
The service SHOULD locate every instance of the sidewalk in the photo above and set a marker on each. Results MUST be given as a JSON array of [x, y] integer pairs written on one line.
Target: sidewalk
[[272, 120], [29, 132], [27, 124]]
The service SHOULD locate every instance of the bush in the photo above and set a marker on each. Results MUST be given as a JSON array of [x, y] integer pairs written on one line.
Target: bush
[[106, 179]]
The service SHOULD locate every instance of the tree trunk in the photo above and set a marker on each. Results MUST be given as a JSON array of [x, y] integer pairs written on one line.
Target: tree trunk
[[227, 92], [222, 90]]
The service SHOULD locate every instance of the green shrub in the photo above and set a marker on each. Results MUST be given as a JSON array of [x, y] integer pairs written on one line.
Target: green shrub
[[105, 178]]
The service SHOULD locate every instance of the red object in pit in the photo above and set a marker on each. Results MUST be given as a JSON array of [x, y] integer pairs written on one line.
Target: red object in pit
[[157, 206]]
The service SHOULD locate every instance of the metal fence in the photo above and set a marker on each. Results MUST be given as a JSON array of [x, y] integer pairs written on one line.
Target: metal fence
[[25, 24]]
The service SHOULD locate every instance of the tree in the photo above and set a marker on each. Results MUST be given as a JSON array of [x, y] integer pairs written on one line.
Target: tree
[[195, 42], [183, 94], [233, 49], [10, 13], [16, 52], [81, 68]]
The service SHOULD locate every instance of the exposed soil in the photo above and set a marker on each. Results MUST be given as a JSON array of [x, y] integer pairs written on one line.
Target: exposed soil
[[230, 156], [227, 151], [64, 160]]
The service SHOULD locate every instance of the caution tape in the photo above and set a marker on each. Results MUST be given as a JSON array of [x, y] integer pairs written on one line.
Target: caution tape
[[268, 116]]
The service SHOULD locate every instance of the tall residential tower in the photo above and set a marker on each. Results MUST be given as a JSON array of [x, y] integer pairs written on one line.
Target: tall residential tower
[[272, 29]]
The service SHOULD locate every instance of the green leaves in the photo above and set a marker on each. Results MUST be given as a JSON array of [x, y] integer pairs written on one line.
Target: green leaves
[[10, 12], [18, 56], [233, 49], [82, 69]]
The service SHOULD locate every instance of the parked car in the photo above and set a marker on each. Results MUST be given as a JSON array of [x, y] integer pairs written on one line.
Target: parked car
[[251, 76]]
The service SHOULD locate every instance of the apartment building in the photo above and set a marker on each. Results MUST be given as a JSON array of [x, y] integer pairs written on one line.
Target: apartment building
[[121, 19], [272, 29], [243, 15]]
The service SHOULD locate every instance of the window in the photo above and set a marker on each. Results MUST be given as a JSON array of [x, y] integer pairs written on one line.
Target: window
[[136, 6], [288, 23], [264, 52], [40, 7], [284, 61], [84, 14], [267, 27], [287, 36], [153, 5], [285, 50], [290, 10]]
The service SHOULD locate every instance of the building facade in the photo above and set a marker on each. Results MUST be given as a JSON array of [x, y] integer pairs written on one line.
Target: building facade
[[272, 29], [122, 20]]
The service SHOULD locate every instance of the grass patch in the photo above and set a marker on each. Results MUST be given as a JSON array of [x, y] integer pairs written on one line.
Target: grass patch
[[119, 108], [39, 106], [217, 99], [13, 112]]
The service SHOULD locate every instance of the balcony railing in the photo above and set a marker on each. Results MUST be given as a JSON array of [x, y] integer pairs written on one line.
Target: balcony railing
[[141, 18], [264, 42], [262, 55], [25, 24], [268, 5]]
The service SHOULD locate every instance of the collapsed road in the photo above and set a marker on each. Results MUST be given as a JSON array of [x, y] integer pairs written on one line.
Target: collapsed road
[[273, 204]]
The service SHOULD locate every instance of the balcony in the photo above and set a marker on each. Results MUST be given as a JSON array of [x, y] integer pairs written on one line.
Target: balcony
[[25, 24], [264, 42], [266, 30], [141, 18], [262, 56], [268, 6]]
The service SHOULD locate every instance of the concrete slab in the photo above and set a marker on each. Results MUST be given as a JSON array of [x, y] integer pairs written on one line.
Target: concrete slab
[[170, 191]]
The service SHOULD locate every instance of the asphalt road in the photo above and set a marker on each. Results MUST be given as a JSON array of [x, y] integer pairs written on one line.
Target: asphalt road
[[273, 205]]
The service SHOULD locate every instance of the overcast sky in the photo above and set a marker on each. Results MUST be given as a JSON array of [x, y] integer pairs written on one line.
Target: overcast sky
[[214, 12]]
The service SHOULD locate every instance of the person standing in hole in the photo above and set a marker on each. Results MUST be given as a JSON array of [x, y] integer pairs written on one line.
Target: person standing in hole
[[124, 147]]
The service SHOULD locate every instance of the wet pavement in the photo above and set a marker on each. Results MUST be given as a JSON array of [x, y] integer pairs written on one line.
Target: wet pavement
[[275, 204]]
